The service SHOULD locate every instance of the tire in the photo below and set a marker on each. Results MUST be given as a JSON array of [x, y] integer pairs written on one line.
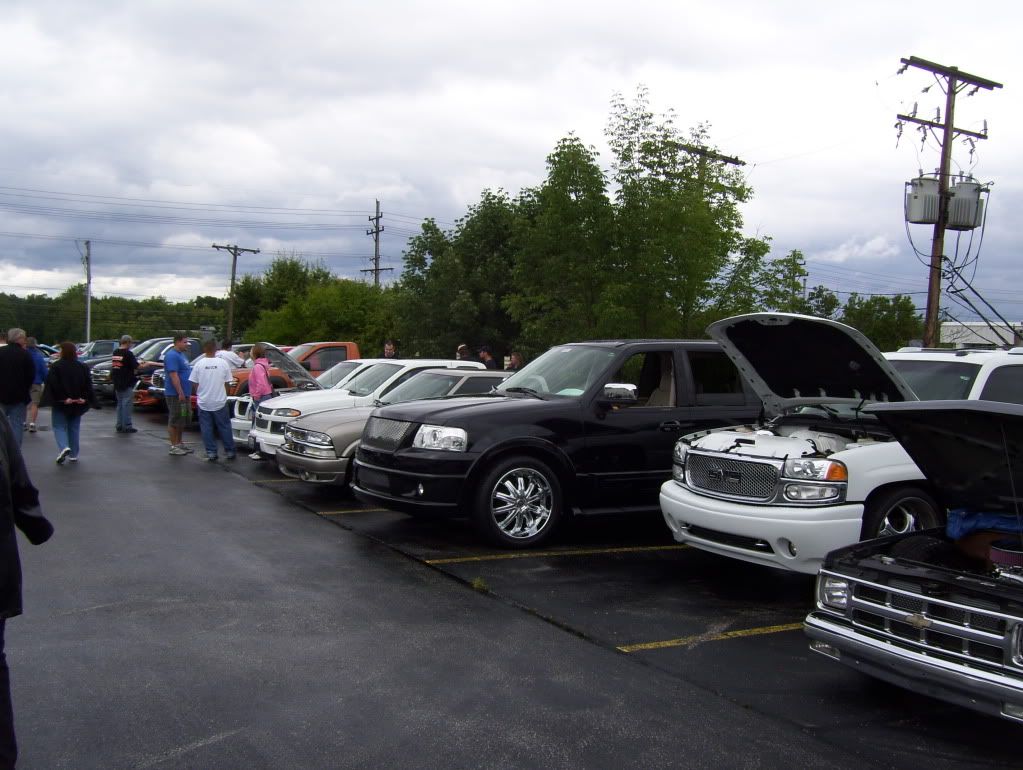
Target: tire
[[518, 503], [899, 510]]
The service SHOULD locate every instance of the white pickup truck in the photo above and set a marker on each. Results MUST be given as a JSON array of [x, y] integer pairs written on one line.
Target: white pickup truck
[[817, 473]]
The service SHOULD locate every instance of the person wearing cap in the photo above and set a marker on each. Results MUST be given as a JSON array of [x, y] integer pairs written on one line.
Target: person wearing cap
[[462, 353], [123, 367], [487, 357]]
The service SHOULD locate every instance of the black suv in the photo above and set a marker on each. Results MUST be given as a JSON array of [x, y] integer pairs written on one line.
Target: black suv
[[585, 428]]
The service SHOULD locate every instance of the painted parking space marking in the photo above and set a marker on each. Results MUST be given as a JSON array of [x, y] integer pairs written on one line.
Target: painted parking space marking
[[685, 641], [343, 511], [546, 554]]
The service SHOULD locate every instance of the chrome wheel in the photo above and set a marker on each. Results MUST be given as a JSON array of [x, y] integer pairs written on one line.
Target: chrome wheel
[[521, 503], [900, 511], [902, 518]]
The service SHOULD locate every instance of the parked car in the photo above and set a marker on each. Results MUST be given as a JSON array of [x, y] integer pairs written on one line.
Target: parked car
[[363, 389], [149, 390], [818, 472], [102, 373], [585, 428], [313, 357], [241, 419], [940, 612], [319, 448], [97, 351]]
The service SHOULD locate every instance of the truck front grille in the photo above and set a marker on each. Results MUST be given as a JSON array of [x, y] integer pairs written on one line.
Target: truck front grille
[[731, 476], [954, 627], [384, 434]]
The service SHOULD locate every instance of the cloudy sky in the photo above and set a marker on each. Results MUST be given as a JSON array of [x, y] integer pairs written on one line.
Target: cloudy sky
[[155, 129]]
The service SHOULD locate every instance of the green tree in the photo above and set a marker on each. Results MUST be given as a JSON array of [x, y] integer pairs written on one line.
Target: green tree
[[782, 283], [564, 263], [889, 322], [822, 302]]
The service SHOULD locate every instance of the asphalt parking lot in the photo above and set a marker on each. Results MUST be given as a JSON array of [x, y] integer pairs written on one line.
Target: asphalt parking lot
[[673, 621]]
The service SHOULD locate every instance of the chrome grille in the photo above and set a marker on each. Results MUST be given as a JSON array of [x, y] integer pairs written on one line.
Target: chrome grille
[[381, 433], [954, 627], [731, 476], [157, 380]]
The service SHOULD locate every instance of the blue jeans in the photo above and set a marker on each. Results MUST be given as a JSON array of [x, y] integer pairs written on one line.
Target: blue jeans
[[66, 430], [220, 420], [125, 402], [16, 417]]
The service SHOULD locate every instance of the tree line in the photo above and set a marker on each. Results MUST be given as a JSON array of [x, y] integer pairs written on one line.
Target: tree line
[[651, 247]]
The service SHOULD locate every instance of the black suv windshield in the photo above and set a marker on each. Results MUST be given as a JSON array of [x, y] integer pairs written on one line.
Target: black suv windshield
[[566, 371], [938, 380]]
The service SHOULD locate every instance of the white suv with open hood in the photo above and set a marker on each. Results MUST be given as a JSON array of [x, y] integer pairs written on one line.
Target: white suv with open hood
[[817, 473]]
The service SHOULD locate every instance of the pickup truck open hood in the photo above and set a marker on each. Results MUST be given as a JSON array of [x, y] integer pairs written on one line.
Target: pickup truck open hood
[[971, 451], [792, 360]]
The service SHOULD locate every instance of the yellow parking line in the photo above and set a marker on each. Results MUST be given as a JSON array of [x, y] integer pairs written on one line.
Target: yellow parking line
[[351, 510], [544, 554], [687, 640]]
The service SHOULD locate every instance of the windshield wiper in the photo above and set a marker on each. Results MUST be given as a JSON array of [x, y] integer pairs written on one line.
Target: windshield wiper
[[527, 391]]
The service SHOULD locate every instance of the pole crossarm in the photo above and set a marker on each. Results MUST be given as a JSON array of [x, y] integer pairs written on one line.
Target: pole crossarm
[[234, 251], [941, 126], [950, 72]]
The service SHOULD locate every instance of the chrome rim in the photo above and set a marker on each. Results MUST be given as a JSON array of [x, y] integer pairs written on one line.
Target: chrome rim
[[521, 503], [903, 517]]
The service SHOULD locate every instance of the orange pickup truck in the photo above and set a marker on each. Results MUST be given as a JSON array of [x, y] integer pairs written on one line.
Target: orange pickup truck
[[314, 357]]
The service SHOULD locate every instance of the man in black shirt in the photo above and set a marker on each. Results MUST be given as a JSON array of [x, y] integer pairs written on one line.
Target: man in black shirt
[[17, 371], [123, 367]]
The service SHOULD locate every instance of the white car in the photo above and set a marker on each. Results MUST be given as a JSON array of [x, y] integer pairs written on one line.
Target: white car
[[335, 377], [817, 473], [363, 388]]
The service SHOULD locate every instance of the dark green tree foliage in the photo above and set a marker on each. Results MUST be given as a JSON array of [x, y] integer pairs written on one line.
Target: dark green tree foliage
[[564, 263], [288, 276], [822, 302], [781, 284], [454, 284], [889, 322], [678, 220]]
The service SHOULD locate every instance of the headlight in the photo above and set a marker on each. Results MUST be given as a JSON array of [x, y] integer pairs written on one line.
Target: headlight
[[232, 383], [678, 465], [320, 439], [832, 592], [286, 413], [441, 437], [810, 493], [807, 469]]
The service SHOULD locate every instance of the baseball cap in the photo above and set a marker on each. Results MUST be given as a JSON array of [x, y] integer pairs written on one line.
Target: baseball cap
[[126, 338]]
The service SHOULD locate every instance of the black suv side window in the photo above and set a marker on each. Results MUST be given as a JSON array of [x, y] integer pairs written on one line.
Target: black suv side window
[[1004, 384], [653, 374], [716, 380]]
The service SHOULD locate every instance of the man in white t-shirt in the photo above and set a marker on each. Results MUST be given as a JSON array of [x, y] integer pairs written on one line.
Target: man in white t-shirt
[[233, 359], [211, 376]]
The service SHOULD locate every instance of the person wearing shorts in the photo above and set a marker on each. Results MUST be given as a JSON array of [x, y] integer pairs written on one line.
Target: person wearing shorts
[[178, 394]]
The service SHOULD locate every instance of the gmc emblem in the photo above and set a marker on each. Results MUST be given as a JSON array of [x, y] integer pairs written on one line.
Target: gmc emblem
[[720, 474]]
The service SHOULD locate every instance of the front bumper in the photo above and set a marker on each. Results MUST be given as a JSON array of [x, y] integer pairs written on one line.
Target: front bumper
[[789, 537], [267, 442], [414, 481], [971, 687], [319, 470]]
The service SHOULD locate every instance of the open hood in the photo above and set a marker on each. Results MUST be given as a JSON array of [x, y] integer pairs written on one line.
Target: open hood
[[792, 360], [971, 451]]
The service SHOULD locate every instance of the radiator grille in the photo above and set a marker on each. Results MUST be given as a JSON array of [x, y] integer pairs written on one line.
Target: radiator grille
[[381, 433], [731, 476]]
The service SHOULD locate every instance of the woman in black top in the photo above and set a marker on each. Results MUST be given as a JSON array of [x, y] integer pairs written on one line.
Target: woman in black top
[[68, 390]]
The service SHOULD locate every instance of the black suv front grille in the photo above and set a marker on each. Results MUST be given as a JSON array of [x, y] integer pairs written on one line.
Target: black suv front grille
[[388, 435]]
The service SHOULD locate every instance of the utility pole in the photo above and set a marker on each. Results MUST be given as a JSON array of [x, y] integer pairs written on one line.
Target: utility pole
[[234, 251], [87, 260], [375, 232], [955, 81]]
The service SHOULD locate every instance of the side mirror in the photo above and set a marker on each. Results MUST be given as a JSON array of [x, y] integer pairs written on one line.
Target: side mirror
[[619, 393]]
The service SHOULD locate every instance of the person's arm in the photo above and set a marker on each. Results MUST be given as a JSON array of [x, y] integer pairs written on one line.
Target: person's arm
[[24, 496]]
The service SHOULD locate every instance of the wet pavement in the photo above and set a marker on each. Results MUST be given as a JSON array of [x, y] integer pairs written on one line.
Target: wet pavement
[[189, 614]]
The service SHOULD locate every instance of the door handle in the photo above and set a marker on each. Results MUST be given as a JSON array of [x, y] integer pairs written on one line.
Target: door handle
[[670, 425]]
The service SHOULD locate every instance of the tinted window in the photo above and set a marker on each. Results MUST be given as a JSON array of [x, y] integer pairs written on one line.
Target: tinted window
[[653, 375], [716, 381], [1005, 384], [938, 380], [331, 356]]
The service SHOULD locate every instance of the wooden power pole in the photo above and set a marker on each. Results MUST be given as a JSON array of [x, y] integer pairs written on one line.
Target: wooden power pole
[[234, 251], [375, 232], [955, 81]]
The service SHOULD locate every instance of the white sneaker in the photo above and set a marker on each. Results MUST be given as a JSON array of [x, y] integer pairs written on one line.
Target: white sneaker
[[31, 427], [73, 459], [63, 455], [176, 450], [255, 456]]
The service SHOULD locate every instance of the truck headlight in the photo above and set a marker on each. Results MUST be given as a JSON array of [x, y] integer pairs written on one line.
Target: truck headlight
[[810, 493], [833, 592], [320, 439], [286, 413], [678, 464], [441, 437], [809, 469]]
